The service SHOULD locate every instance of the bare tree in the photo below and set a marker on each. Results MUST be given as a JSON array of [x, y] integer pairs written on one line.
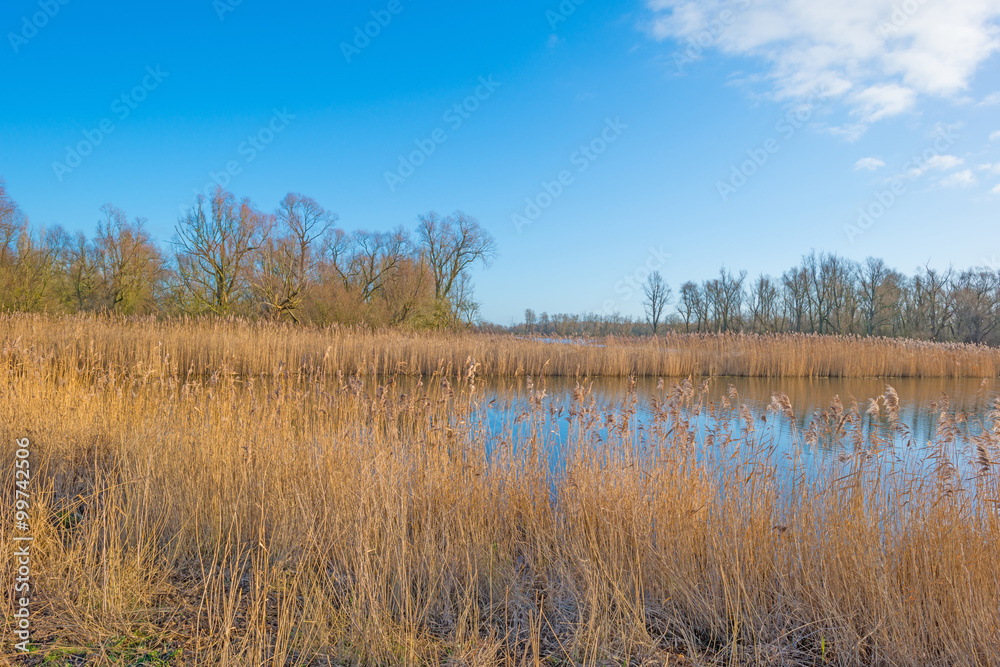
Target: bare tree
[[28, 259], [763, 304], [726, 296], [529, 320], [466, 306], [691, 299], [404, 290], [932, 308], [305, 221], [373, 276], [127, 265], [452, 245], [285, 264], [795, 284], [77, 265], [364, 261], [838, 279], [376, 257], [12, 224], [276, 282], [29, 281], [214, 251], [878, 295], [657, 295], [975, 308]]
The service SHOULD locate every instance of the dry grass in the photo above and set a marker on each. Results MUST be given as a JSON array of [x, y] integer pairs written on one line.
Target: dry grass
[[304, 518], [183, 347]]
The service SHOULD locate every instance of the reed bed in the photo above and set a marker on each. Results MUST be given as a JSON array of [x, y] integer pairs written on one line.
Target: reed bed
[[182, 347], [294, 517]]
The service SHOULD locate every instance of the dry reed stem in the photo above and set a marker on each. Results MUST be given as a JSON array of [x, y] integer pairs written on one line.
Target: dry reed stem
[[182, 347], [302, 517]]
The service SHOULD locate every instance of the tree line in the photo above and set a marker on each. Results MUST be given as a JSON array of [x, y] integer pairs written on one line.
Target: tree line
[[228, 257], [823, 294], [296, 263]]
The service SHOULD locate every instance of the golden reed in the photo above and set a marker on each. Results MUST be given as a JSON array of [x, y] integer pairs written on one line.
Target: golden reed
[[311, 517], [199, 346]]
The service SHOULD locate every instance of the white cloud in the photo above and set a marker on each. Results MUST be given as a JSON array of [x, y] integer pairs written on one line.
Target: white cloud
[[940, 162], [879, 101], [943, 162], [996, 189], [993, 168], [878, 56], [936, 162], [960, 179], [869, 163], [990, 100], [995, 136]]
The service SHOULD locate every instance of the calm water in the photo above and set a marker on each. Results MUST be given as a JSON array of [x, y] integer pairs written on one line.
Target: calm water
[[808, 397]]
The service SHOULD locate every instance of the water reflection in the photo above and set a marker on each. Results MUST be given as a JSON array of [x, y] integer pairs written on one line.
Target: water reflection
[[921, 401]]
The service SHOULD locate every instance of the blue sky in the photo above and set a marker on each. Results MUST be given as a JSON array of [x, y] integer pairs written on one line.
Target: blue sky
[[687, 135]]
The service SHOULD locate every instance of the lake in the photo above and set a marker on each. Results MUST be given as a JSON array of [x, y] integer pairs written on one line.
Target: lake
[[505, 408]]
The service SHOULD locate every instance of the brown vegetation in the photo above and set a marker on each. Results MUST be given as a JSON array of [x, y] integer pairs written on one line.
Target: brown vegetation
[[229, 258], [311, 517], [203, 346]]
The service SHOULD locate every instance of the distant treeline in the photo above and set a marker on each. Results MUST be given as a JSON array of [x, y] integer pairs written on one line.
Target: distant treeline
[[296, 264], [229, 258], [825, 294]]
